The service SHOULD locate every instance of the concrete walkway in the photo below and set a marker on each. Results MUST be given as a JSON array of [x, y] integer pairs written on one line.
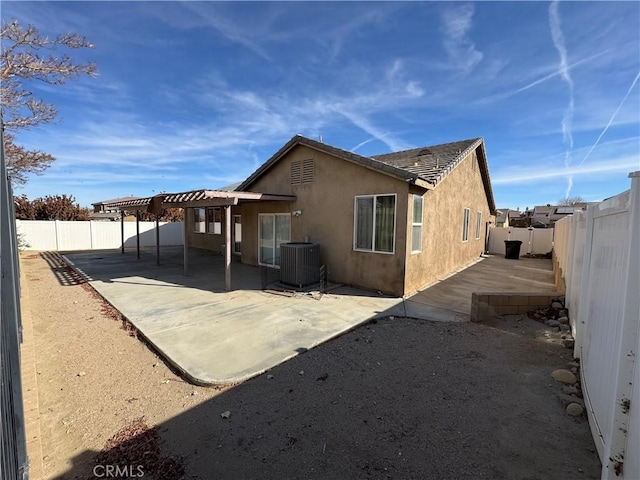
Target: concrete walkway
[[217, 337]]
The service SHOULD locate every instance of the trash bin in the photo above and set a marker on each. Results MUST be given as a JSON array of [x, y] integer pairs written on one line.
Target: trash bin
[[512, 249]]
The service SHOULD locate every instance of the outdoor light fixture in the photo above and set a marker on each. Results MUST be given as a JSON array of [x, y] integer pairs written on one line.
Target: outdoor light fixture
[[297, 213]]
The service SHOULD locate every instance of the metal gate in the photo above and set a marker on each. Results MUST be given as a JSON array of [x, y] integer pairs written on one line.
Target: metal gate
[[13, 450]]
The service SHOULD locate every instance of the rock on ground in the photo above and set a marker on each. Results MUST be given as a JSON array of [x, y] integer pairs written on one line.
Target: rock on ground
[[564, 376], [575, 409]]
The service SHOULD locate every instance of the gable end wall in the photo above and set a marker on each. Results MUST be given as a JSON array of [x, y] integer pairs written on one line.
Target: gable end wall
[[327, 207]]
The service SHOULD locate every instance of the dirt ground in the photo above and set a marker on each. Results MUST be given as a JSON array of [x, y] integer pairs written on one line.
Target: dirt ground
[[397, 398]]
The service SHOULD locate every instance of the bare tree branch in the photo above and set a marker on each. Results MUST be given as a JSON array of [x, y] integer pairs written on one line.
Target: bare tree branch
[[22, 162], [27, 56]]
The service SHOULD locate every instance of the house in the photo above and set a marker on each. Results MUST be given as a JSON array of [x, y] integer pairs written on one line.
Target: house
[[393, 223], [107, 206], [106, 209], [546, 216], [502, 217]]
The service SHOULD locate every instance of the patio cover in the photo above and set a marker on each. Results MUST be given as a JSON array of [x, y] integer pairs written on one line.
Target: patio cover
[[193, 199]]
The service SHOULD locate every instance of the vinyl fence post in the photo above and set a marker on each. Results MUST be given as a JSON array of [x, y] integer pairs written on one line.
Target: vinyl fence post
[[582, 320]]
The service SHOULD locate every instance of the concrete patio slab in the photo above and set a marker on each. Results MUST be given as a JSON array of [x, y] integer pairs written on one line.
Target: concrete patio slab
[[217, 337], [450, 298], [214, 336]]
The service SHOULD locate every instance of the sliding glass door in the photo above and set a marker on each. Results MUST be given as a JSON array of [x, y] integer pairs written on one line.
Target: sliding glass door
[[273, 229]]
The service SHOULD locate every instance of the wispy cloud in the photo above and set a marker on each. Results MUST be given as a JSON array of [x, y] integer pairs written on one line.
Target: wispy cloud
[[456, 23], [540, 80], [615, 113], [564, 71], [213, 14], [594, 169], [362, 144], [383, 136]]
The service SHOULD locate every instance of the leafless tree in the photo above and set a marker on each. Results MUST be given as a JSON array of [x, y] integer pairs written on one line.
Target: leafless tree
[[27, 56], [568, 201]]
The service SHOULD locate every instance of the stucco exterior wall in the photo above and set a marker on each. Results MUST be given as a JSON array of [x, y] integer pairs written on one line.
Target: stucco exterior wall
[[327, 217], [443, 250]]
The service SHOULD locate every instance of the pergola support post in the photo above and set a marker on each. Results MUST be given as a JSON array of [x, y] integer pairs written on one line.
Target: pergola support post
[[157, 239], [227, 248], [185, 241], [122, 230], [138, 232]]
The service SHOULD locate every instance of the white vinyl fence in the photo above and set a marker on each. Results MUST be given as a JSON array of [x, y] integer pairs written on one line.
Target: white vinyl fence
[[599, 254], [66, 236], [536, 240]]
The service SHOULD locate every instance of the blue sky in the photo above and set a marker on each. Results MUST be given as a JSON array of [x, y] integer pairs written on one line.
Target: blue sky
[[198, 94]]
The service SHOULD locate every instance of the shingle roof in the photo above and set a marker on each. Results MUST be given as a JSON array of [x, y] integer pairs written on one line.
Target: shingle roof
[[425, 166], [430, 163], [331, 150]]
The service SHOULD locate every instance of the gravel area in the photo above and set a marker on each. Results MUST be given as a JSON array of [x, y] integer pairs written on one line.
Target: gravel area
[[398, 398]]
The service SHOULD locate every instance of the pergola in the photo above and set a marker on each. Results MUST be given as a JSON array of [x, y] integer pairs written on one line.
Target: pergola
[[193, 199]]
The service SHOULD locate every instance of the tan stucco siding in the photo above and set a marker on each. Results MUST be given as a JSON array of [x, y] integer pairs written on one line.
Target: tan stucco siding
[[327, 206], [443, 250]]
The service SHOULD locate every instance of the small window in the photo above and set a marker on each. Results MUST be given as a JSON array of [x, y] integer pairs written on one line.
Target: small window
[[214, 220], [474, 162], [416, 224], [465, 225], [375, 223], [478, 225], [199, 221]]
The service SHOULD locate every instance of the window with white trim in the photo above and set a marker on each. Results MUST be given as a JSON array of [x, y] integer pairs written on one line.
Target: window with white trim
[[199, 220], [416, 224], [374, 228], [465, 225], [478, 225], [214, 220]]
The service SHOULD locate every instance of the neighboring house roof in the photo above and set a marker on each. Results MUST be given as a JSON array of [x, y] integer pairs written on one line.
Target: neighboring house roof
[[542, 210], [114, 200], [230, 188], [502, 215], [424, 167], [104, 216]]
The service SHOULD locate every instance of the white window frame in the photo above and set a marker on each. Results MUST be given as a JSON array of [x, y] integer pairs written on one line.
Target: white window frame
[[201, 225], [478, 225], [234, 235], [217, 226], [373, 238], [417, 224], [465, 224]]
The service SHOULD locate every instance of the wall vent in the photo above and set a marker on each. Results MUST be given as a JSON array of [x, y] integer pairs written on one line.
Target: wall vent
[[296, 172], [308, 170]]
